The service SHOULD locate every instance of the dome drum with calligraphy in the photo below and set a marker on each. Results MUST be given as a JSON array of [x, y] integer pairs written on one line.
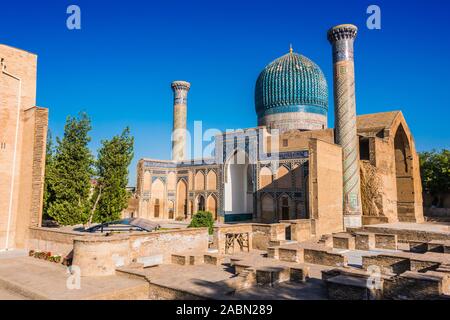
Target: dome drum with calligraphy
[[292, 93]]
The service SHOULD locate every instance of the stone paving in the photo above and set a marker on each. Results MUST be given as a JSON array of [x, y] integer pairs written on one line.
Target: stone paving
[[27, 277], [213, 282]]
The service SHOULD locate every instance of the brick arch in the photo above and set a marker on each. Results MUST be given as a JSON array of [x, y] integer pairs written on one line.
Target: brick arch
[[211, 180], [199, 181], [147, 181], [404, 175], [284, 178], [158, 198], [265, 177], [182, 189], [211, 205], [267, 208]]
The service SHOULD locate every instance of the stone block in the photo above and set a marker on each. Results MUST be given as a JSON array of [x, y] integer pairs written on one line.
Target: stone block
[[423, 265], [179, 259], [436, 246], [387, 264], [364, 241], [386, 241], [196, 259], [298, 274], [213, 259], [418, 246], [150, 260], [345, 287], [272, 275], [343, 241], [415, 286], [325, 258], [240, 267], [290, 254], [272, 252]]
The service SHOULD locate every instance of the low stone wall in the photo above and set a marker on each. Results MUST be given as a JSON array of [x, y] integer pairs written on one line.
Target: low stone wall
[[387, 263], [324, 258], [98, 255], [405, 235], [54, 240], [386, 241], [300, 229], [165, 243], [260, 234], [415, 286], [364, 241]]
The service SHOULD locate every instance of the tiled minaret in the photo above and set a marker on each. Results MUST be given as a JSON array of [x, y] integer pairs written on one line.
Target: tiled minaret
[[342, 37], [180, 91]]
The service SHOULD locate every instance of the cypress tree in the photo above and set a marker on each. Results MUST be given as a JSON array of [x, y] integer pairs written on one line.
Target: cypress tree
[[49, 193], [111, 196], [71, 173]]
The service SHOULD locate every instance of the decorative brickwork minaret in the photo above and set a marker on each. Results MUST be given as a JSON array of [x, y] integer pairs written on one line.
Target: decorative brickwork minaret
[[342, 37], [180, 91]]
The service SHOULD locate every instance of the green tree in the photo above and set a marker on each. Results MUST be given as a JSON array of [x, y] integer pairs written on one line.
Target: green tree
[[71, 173], [435, 172], [110, 196], [49, 193], [202, 219]]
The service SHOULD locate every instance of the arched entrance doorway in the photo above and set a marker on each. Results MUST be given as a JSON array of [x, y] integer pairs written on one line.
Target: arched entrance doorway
[[404, 176], [158, 198], [171, 210], [284, 208], [182, 199], [212, 206], [200, 203], [238, 188]]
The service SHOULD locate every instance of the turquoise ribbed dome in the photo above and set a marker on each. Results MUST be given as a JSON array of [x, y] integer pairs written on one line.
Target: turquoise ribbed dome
[[291, 83]]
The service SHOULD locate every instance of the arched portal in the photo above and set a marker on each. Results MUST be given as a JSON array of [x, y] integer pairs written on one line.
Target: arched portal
[[211, 205], [284, 207], [238, 188], [181, 199], [267, 209], [404, 176], [201, 203], [171, 210], [158, 198]]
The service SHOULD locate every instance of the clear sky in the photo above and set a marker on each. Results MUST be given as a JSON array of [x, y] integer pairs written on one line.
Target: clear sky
[[119, 66]]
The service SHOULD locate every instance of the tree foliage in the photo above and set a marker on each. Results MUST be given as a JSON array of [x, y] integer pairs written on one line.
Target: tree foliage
[[202, 219], [69, 174], [49, 193], [435, 172], [114, 158]]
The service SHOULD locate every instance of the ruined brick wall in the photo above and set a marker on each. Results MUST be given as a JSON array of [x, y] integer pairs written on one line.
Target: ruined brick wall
[[401, 191], [325, 187]]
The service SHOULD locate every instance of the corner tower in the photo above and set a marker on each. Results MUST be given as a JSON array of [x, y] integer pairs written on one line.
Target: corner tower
[[342, 38], [180, 91]]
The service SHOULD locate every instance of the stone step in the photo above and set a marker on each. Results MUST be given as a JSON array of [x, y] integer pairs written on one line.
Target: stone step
[[214, 259], [290, 254], [187, 259], [272, 275]]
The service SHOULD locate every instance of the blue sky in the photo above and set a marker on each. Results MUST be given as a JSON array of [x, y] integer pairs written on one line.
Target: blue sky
[[119, 66]]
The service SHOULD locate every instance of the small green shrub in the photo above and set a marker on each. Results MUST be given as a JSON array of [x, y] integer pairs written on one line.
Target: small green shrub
[[202, 219]]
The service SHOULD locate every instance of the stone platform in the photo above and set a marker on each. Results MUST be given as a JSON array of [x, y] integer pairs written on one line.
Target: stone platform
[[31, 278]]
